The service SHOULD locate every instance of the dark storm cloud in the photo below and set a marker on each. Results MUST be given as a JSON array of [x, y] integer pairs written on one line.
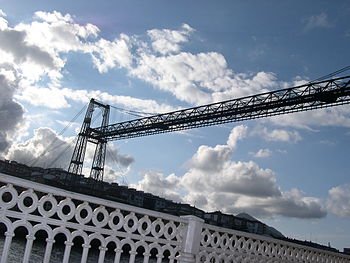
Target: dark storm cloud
[[11, 112], [13, 41]]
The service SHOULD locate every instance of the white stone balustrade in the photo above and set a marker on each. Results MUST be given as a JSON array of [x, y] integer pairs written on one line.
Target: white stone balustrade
[[187, 239]]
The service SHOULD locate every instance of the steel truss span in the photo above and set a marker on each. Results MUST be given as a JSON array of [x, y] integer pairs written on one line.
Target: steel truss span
[[321, 94]]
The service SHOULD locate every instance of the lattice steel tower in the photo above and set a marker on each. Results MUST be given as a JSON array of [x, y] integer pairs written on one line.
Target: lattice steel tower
[[84, 136]]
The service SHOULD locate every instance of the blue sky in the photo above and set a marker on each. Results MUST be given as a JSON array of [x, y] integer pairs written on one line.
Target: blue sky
[[155, 56]]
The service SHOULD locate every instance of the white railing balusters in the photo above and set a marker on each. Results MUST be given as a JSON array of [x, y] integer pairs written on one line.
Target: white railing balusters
[[187, 239], [28, 249], [118, 253], [132, 256], [84, 256], [245, 247], [101, 256], [8, 240], [67, 249], [48, 249]]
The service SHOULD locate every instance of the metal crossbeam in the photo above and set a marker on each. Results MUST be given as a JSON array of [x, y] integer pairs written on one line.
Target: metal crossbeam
[[310, 96]]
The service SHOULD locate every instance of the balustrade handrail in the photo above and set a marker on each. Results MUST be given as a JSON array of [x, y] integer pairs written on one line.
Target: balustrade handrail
[[271, 240], [186, 242], [91, 199]]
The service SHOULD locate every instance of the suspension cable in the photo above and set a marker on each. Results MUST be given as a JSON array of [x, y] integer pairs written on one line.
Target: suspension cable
[[115, 160], [62, 152], [134, 112], [48, 149], [330, 75]]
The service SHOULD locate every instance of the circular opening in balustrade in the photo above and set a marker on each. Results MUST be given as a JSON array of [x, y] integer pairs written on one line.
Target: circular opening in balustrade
[[170, 230], [116, 220], [66, 209], [6, 197], [144, 226], [47, 206], [28, 201], [216, 239], [131, 223], [83, 213], [225, 241], [100, 217], [157, 228], [206, 238]]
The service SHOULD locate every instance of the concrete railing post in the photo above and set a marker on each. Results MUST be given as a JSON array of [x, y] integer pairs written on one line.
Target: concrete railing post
[[191, 239]]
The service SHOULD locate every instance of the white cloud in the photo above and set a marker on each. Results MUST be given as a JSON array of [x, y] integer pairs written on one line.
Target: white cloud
[[215, 182], [292, 203], [199, 78], [38, 50], [111, 54], [143, 105], [55, 32], [11, 112], [338, 116], [155, 183], [42, 149], [262, 153], [317, 21], [50, 97], [236, 134], [48, 149], [167, 41], [3, 21], [58, 98], [339, 200], [277, 135], [35, 49]]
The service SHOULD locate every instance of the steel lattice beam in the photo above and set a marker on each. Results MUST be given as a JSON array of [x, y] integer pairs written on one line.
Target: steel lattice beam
[[310, 96]]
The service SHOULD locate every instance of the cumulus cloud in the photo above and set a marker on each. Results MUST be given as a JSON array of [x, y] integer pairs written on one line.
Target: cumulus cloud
[[39, 48], [167, 41], [13, 42], [111, 54], [57, 98], [165, 186], [11, 112], [262, 153], [292, 203], [48, 149], [114, 156], [42, 149], [199, 78], [56, 32], [277, 135], [338, 116], [215, 182], [339, 200], [33, 56], [193, 78]]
